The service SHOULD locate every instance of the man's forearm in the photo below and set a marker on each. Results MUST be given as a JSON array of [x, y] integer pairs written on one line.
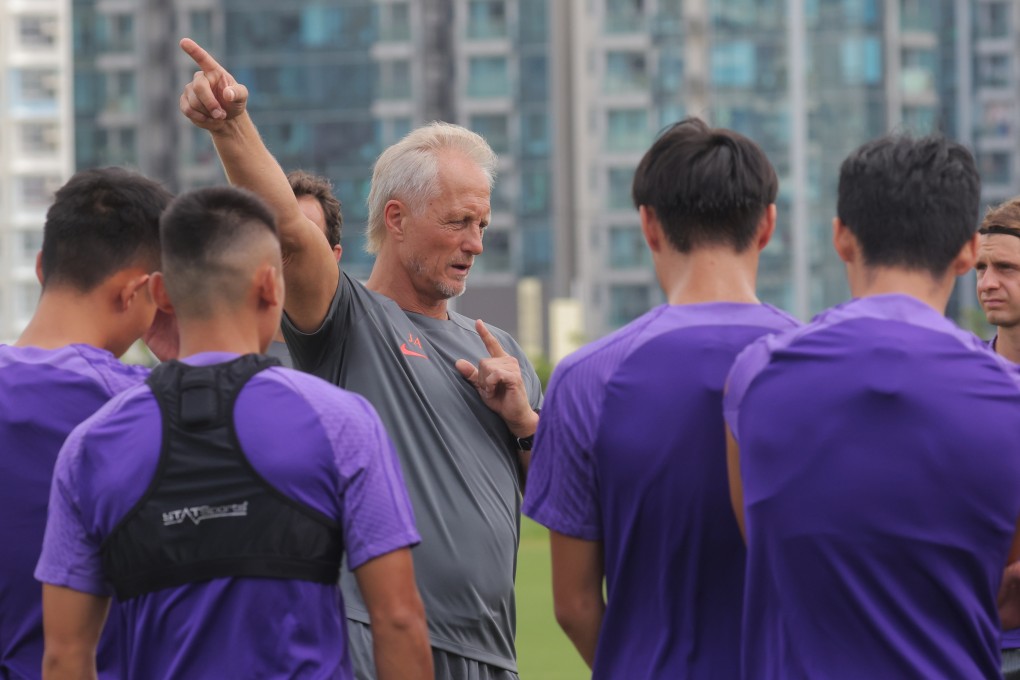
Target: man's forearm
[[582, 627], [402, 652], [249, 164], [69, 664]]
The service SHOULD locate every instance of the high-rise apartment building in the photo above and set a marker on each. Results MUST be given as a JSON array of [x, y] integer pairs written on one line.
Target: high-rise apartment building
[[36, 138], [570, 93]]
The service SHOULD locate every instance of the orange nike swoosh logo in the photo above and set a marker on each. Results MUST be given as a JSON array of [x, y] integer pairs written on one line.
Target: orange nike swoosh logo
[[411, 352]]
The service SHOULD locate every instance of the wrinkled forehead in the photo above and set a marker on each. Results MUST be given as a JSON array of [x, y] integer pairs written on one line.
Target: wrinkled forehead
[[999, 246]]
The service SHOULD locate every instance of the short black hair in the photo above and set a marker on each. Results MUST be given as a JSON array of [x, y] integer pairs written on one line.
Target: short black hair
[[910, 202], [197, 230], [102, 221], [306, 184], [707, 186]]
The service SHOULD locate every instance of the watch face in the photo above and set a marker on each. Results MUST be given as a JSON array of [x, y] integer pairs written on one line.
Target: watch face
[[525, 443]]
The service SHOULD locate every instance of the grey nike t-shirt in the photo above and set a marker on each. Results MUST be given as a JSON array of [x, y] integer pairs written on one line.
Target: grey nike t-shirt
[[458, 457]]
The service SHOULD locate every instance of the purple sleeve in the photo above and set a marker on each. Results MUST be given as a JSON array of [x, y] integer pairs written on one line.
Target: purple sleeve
[[70, 553], [745, 369], [377, 513], [562, 489]]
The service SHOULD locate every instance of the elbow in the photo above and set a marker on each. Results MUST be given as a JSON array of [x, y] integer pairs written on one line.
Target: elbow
[[578, 613], [399, 618], [68, 663]]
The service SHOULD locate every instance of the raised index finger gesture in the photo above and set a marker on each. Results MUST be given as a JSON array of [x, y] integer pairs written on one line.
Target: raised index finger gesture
[[213, 95], [491, 343]]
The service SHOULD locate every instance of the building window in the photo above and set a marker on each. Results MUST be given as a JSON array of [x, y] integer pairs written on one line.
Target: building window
[[627, 130], [120, 92], [917, 15], [535, 134], [920, 119], [535, 190], [625, 72], [918, 71], [395, 79], [486, 19], [116, 33], [733, 64], [38, 86], [495, 128], [37, 31], [39, 138], [37, 190], [994, 167], [993, 19], [996, 120], [488, 77], [861, 60], [624, 16], [618, 194], [495, 255], [394, 22], [627, 249], [534, 78], [533, 19], [626, 303], [29, 244], [993, 70], [536, 249]]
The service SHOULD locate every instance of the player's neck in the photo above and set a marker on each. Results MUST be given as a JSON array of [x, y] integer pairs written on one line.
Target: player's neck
[[870, 281], [64, 317], [390, 278], [1008, 343], [220, 333], [707, 275]]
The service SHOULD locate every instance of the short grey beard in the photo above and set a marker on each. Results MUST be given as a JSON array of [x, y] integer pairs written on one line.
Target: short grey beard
[[418, 265]]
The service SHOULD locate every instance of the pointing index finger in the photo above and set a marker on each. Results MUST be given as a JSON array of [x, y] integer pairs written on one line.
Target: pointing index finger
[[491, 343], [201, 57]]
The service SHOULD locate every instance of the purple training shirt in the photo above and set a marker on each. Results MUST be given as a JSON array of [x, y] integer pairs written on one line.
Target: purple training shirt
[[878, 456], [317, 444], [44, 394], [631, 452]]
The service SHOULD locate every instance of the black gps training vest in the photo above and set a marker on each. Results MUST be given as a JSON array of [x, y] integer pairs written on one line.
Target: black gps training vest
[[207, 512]]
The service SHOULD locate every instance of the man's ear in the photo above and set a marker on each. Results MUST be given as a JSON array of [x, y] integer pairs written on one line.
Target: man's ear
[[157, 289], [38, 268], [651, 228], [133, 284], [338, 251], [269, 286], [767, 226], [844, 242], [967, 257], [395, 215]]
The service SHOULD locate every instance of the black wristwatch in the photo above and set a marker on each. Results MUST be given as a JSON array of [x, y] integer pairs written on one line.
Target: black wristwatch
[[525, 443]]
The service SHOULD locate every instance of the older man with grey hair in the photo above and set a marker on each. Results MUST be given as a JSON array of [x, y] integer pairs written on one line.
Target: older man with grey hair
[[459, 399]]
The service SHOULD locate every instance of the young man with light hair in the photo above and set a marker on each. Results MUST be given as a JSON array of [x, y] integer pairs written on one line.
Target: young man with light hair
[[459, 399], [998, 278], [217, 500]]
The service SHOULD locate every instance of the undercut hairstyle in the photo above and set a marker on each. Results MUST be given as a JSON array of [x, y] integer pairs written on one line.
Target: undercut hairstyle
[[707, 186], [206, 236], [408, 171], [1002, 219], [102, 221], [910, 202], [306, 184]]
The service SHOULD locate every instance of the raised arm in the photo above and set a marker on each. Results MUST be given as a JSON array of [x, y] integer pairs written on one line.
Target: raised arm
[[214, 101], [400, 637]]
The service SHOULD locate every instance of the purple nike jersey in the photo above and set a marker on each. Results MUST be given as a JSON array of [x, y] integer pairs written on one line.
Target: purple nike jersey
[[315, 443], [877, 454], [631, 452], [44, 394]]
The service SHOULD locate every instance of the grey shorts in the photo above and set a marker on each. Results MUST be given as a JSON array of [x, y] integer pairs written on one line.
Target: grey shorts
[[448, 666], [1011, 664]]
